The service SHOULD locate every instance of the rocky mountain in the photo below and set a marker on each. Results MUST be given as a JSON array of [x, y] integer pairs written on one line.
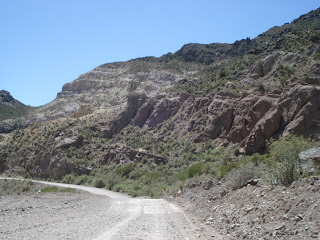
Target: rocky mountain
[[123, 119], [11, 109]]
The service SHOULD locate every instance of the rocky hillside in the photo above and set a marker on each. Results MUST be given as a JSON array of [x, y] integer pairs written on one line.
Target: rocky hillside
[[124, 121], [257, 212], [10, 109], [108, 86]]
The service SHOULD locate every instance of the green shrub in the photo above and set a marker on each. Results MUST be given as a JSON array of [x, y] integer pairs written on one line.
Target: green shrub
[[195, 169], [223, 73], [315, 38], [81, 180], [210, 168], [50, 189], [285, 165], [137, 173], [151, 177], [155, 189], [316, 56], [99, 183], [53, 189], [113, 179], [125, 169], [191, 171], [261, 87], [224, 170], [182, 175], [70, 179], [25, 188]]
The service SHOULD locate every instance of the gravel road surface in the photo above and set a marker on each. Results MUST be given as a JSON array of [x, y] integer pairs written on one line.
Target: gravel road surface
[[96, 214]]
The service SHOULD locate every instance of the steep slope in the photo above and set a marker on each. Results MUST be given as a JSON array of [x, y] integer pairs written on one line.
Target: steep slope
[[11, 109], [160, 111], [108, 86], [197, 69]]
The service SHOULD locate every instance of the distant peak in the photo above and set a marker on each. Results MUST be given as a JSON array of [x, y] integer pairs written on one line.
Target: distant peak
[[5, 96]]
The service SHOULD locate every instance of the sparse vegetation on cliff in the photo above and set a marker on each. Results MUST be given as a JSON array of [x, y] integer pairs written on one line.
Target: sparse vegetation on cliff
[[150, 126]]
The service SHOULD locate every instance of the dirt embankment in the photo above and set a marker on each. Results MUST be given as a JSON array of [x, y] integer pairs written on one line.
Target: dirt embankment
[[257, 212]]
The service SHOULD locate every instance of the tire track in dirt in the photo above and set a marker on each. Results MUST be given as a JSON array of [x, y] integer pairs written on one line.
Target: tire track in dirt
[[137, 218]]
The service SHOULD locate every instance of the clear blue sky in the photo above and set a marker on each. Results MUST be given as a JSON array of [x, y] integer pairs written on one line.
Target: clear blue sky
[[47, 43]]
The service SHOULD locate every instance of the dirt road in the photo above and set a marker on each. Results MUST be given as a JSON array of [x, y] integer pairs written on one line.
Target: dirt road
[[98, 214]]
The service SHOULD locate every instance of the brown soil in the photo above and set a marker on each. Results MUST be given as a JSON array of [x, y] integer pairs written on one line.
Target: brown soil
[[257, 212]]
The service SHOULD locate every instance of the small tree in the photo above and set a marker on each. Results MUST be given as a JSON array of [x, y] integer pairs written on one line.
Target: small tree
[[285, 162]]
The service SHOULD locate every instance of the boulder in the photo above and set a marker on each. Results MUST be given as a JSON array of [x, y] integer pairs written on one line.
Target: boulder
[[75, 141], [310, 159]]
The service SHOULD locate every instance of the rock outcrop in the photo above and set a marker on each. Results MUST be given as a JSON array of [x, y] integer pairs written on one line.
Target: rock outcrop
[[295, 112], [249, 120], [75, 141], [10, 109], [120, 154], [264, 66], [242, 93], [6, 97], [54, 167], [310, 160], [108, 129]]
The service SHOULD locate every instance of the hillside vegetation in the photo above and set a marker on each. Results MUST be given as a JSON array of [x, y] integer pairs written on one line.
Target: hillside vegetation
[[11, 108], [150, 126]]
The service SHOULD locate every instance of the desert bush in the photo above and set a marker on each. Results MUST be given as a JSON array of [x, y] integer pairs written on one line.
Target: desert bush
[[99, 183], [238, 178], [81, 180], [194, 169], [223, 73], [135, 174], [182, 175], [316, 56], [150, 177], [225, 169], [190, 172], [156, 188], [50, 189], [261, 87], [125, 169], [210, 168], [113, 179], [70, 179], [285, 165], [53, 189], [315, 38]]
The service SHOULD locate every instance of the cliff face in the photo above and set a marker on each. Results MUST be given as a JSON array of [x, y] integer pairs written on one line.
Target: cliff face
[[108, 86], [242, 93], [249, 120]]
